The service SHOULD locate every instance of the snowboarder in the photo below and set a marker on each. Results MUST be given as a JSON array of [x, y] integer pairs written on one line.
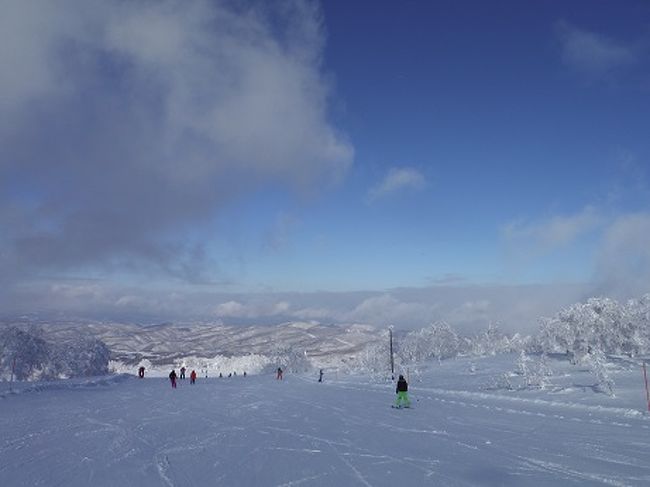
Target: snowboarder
[[141, 372], [182, 372], [402, 393], [193, 377], [320, 376], [279, 376], [172, 378]]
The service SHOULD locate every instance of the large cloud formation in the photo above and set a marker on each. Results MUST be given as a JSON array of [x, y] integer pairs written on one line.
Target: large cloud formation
[[126, 124]]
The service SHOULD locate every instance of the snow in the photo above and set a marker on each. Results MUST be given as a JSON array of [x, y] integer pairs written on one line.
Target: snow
[[258, 431]]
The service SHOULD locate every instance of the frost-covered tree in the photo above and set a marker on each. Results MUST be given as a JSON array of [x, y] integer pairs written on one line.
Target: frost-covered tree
[[437, 341], [290, 358], [375, 359], [597, 363], [492, 341], [534, 372], [523, 363], [29, 353], [637, 330], [83, 358], [36, 359], [600, 323]]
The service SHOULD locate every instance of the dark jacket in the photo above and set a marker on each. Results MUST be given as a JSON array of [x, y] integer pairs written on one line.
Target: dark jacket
[[402, 386], [172, 375]]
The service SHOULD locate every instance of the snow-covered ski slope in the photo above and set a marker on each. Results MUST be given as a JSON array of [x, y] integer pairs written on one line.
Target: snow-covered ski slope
[[257, 431]]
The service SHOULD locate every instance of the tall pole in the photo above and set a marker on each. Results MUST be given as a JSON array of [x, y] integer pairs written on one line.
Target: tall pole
[[647, 391], [13, 369], [392, 362]]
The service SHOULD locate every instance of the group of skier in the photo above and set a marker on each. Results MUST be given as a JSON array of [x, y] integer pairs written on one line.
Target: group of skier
[[173, 377], [401, 389]]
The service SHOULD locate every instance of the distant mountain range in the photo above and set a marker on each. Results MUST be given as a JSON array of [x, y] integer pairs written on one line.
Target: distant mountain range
[[163, 345]]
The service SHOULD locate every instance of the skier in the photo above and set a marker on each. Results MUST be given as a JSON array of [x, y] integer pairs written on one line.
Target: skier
[[402, 393], [141, 372], [193, 377], [172, 378], [279, 376], [183, 372], [320, 376]]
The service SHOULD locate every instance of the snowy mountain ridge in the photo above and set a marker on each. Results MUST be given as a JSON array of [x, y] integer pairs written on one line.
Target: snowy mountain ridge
[[212, 346]]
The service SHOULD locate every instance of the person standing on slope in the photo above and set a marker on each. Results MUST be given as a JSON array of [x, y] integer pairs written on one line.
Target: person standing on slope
[[193, 377], [183, 372], [141, 372], [402, 393], [279, 376], [320, 377], [172, 378]]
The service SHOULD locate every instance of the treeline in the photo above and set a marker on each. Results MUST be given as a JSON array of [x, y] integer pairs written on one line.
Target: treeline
[[584, 332], [437, 341]]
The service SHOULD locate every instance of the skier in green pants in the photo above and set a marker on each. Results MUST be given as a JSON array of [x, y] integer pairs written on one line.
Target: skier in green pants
[[402, 393]]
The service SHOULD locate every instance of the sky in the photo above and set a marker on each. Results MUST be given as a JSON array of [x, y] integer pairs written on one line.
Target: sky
[[338, 161]]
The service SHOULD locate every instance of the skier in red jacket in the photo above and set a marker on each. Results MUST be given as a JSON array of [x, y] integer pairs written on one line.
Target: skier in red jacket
[[193, 377]]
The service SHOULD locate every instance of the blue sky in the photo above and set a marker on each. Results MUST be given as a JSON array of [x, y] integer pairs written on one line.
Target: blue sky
[[500, 125], [240, 159]]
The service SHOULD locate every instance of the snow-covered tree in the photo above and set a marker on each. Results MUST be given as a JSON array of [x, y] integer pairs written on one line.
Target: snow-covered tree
[[534, 372], [600, 323], [597, 363], [437, 341], [492, 341], [291, 359], [375, 359], [36, 359], [29, 353], [523, 363], [80, 359]]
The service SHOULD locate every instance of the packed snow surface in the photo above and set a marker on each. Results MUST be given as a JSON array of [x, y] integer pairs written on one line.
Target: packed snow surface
[[463, 430]]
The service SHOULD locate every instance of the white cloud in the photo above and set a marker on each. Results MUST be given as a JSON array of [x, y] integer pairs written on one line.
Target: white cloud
[[230, 309], [256, 309], [466, 307], [90, 292], [397, 179], [623, 260], [129, 122], [592, 53], [314, 314], [385, 309], [546, 235]]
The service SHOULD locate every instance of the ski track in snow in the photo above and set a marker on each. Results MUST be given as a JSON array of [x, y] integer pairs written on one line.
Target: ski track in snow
[[259, 431]]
